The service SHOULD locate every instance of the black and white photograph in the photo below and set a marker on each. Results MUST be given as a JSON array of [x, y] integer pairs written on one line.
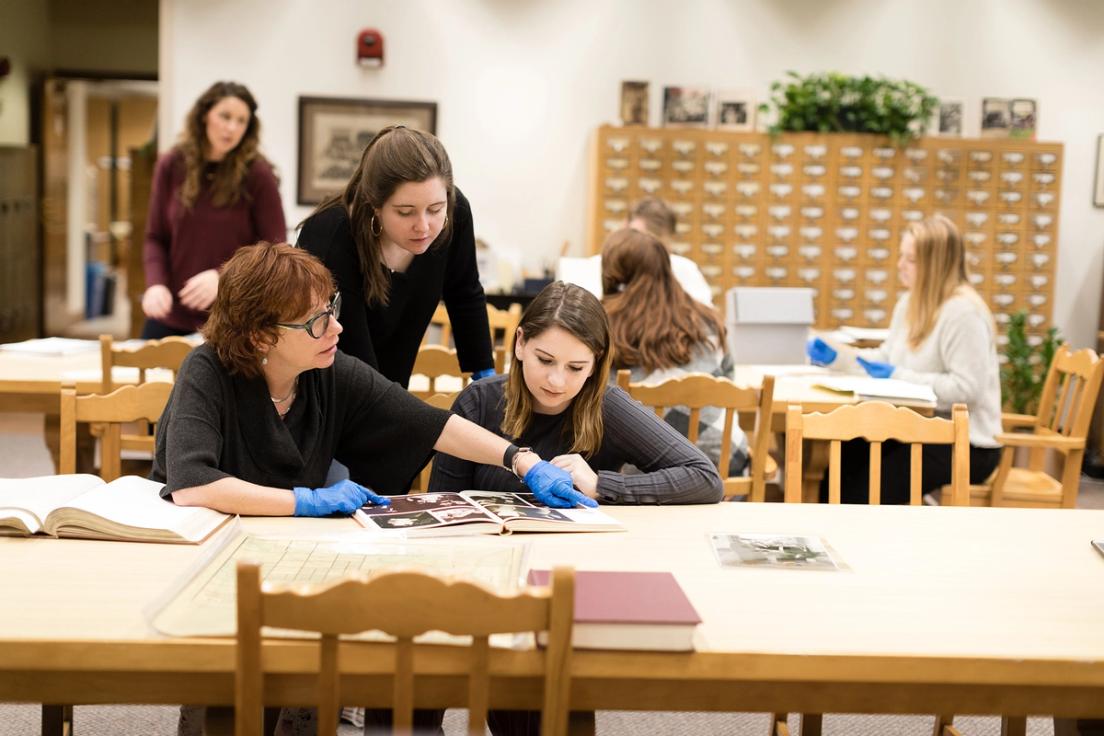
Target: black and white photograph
[[333, 132], [417, 502], [405, 521], [634, 103], [483, 498], [456, 513], [995, 117], [772, 550], [949, 118], [527, 512], [735, 111], [1023, 117], [686, 107]]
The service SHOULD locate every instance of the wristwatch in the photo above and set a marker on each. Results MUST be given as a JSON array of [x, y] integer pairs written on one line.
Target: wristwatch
[[509, 458]]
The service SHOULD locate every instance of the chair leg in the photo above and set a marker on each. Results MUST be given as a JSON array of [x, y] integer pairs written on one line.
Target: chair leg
[[57, 720], [944, 726], [811, 724], [779, 724], [1013, 726]]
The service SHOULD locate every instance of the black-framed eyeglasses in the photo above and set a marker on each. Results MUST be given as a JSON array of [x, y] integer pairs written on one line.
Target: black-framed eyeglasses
[[320, 322]]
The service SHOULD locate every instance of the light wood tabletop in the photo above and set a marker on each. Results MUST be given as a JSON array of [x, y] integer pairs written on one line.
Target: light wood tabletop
[[964, 610]]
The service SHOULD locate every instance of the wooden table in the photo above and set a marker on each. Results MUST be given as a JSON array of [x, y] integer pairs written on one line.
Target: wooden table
[[951, 610]]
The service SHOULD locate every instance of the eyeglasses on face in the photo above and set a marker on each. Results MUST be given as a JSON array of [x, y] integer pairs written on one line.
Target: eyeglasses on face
[[317, 325]]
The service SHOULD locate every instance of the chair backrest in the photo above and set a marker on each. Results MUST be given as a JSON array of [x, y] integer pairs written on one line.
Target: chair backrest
[[167, 353], [436, 361], [696, 391], [878, 421], [403, 604], [440, 320], [503, 324], [1068, 397], [441, 401], [127, 404]]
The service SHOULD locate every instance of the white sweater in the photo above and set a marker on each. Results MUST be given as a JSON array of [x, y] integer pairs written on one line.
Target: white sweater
[[958, 360]]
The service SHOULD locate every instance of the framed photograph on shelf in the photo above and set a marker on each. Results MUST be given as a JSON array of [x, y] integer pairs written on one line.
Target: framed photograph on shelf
[[949, 118], [735, 111], [686, 107], [996, 117], [333, 132], [1098, 179], [1022, 118], [634, 103]]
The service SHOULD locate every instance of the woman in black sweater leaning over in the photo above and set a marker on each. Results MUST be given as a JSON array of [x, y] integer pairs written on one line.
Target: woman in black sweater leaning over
[[398, 240]]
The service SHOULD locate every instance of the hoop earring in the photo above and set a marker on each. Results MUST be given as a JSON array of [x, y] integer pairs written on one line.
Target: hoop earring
[[372, 227]]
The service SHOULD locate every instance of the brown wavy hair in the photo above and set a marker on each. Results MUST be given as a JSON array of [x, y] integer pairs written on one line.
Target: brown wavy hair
[[654, 323], [230, 173], [578, 312], [657, 216], [395, 156], [940, 274], [259, 286]]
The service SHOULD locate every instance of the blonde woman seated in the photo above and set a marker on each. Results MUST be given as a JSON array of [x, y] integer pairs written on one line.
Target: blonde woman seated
[[658, 332], [941, 334], [557, 401]]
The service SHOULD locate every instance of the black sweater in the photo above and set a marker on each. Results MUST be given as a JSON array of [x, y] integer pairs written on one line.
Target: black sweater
[[387, 337]]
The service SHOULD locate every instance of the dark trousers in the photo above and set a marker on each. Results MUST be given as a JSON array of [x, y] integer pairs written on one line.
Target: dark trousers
[[896, 467], [154, 330]]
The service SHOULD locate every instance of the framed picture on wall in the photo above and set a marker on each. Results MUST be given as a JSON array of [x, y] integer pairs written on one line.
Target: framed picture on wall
[[949, 116], [996, 117], [735, 111], [1098, 180], [333, 132], [686, 107], [634, 103]]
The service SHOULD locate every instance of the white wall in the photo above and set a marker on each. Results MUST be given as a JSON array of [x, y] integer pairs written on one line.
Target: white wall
[[521, 86]]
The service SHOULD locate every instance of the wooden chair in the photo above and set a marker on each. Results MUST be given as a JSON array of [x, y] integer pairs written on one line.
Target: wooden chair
[[403, 604], [436, 361], [504, 321], [876, 421], [1061, 424], [127, 404], [167, 353], [441, 401], [440, 320], [697, 391]]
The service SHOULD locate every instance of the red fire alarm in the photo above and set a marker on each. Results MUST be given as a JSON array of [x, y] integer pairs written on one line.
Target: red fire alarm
[[370, 47]]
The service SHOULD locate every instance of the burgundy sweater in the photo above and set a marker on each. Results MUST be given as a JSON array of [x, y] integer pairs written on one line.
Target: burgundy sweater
[[182, 242]]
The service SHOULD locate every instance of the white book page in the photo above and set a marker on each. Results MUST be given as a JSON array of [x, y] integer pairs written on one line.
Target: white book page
[[879, 387], [40, 495], [135, 502]]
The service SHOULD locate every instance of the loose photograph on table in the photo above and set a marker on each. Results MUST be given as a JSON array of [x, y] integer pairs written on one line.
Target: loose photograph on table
[[772, 551]]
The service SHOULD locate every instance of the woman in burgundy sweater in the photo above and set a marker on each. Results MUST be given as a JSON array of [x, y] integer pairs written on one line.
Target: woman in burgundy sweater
[[212, 193]]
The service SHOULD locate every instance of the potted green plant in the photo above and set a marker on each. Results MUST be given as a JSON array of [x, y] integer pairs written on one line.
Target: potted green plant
[[1024, 371], [834, 102]]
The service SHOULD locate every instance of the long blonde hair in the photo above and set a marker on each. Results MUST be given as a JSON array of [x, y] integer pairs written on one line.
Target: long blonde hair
[[579, 313], [940, 274]]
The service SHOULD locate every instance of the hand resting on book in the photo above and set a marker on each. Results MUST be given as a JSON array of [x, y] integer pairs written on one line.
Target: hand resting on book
[[343, 497]]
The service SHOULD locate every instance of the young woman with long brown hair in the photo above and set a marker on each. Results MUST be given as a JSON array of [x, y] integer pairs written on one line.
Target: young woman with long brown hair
[[212, 193], [658, 331], [557, 401], [398, 240], [942, 335]]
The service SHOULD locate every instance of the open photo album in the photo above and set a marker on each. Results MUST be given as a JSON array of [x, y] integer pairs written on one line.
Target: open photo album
[[478, 512]]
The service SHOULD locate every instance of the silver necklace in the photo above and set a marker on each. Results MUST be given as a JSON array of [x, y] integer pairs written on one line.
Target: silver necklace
[[292, 393]]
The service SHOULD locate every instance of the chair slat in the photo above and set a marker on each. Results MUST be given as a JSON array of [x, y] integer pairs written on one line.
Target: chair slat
[[916, 473], [874, 486], [834, 472], [478, 686], [329, 691]]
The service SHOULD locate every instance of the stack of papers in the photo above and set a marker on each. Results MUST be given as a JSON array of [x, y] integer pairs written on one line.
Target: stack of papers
[[890, 389]]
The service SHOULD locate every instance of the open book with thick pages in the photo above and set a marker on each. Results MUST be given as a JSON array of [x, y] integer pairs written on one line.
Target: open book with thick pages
[[629, 610], [478, 512], [128, 509], [889, 389]]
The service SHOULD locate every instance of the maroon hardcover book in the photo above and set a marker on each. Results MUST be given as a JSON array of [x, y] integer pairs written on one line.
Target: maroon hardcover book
[[629, 610]]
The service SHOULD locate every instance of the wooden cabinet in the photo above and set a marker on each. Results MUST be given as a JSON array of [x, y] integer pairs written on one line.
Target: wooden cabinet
[[20, 246]]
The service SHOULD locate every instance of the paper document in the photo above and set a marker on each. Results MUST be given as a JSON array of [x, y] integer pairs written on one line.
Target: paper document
[[57, 346], [890, 389]]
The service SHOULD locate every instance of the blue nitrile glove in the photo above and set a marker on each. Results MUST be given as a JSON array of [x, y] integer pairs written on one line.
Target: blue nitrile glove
[[485, 373], [876, 369], [343, 497], [820, 352], [552, 486]]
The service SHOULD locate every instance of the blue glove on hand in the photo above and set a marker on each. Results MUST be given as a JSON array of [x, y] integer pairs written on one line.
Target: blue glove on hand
[[876, 369], [552, 486], [820, 352], [343, 497], [485, 373]]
